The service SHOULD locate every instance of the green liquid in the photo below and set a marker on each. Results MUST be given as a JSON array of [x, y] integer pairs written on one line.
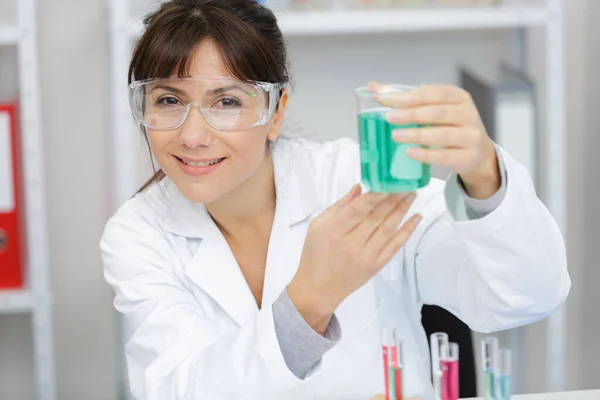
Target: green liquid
[[392, 383], [505, 387], [385, 166], [489, 386]]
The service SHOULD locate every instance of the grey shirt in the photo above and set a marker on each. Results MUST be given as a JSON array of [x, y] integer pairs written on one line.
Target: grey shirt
[[302, 347]]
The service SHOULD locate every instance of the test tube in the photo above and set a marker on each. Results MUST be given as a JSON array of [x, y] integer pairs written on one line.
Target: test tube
[[395, 371], [505, 372], [392, 364], [489, 355], [450, 372], [393, 358], [438, 341]]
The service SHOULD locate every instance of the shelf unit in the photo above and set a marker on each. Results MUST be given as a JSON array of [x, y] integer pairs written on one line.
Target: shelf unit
[[383, 21], [548, 14], [10, 35], [343, 22], [36, 298], [16, 301]]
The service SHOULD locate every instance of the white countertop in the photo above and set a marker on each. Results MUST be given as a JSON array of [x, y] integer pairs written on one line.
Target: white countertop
[[582, 395]]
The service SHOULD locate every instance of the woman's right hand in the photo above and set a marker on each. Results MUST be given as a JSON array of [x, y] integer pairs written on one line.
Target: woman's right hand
[[346, 246]]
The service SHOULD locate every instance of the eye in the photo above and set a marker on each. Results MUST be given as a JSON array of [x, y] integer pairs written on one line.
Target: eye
[[167, 101], [229, 102]]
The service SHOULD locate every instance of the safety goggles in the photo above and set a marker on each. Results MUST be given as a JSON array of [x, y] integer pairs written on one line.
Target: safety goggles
[[225, 103]]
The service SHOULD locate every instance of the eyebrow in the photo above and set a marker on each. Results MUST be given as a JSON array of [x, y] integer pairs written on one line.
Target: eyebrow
[[224, 89], [212, 92], [168, 89]]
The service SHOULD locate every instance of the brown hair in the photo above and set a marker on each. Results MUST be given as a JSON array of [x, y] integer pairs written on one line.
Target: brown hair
[[246, 33]]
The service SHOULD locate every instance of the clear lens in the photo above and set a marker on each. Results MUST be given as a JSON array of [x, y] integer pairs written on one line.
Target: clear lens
[[226, 104]]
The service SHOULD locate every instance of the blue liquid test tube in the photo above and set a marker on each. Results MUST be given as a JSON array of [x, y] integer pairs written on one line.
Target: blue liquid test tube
[[505, 372], [489, 362]]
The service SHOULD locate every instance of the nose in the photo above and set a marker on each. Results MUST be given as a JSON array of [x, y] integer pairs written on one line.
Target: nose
[[195, 132]]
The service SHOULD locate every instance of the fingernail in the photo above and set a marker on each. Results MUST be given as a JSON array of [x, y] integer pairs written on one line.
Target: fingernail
[[400, 134], [397, 115], [354, 189], [373, 86], [413, 152]]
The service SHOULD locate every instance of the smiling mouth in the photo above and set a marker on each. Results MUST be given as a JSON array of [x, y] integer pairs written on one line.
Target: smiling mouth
[[201, 163]]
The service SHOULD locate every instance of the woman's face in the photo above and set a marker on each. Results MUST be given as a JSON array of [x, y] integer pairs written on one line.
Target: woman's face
[[184, 153]]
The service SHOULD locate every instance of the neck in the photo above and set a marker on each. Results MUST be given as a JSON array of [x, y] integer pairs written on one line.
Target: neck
[[250, 207]]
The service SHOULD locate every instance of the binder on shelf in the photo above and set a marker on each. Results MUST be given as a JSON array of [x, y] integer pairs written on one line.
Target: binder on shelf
[[12, 238], [509, 112]]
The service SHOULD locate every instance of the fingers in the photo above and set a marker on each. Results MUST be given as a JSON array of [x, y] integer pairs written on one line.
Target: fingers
[[382, 232], [442, 157], [438, 114], [354, 192], [356, 210], [378, 215], [398, 240], [385, 95], [422, 95], [445, 136], [429, 104], [436, 94]]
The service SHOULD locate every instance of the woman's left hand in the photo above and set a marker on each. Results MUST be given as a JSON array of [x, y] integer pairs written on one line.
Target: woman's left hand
[[453, 128]]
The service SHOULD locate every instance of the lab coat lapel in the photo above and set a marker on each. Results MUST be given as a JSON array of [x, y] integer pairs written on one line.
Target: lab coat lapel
[[213, 267], [215, 270], [297, 201]]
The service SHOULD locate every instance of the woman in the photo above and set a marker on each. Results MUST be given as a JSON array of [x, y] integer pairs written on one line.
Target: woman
[[252, 265]]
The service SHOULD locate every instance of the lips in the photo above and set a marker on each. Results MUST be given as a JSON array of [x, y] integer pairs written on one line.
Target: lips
[[199, 167], [201, 163], [204, 162]]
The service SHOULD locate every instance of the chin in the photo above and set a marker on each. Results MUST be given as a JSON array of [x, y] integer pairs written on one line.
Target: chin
[[198, 193]]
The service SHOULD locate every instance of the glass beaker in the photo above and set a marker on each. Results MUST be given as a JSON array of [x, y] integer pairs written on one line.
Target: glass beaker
[[385, 167]]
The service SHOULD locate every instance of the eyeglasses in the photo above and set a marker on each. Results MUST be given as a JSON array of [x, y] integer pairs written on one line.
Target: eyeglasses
[[226, 104]]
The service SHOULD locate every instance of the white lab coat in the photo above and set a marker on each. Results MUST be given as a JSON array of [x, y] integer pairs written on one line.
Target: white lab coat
[[197, 333]]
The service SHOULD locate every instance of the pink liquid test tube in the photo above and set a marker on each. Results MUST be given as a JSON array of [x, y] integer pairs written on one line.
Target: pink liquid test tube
[[450, 385]]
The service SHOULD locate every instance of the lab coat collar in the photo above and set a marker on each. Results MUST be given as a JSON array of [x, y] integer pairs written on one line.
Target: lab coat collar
[[295, 185], [295, 180]]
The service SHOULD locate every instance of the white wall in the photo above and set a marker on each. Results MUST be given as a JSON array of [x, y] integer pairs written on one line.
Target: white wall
[[590, 320], [580, 206], [582, 95], [73, 54]]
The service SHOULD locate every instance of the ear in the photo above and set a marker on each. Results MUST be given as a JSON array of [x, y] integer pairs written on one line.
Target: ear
[[278, 117]]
